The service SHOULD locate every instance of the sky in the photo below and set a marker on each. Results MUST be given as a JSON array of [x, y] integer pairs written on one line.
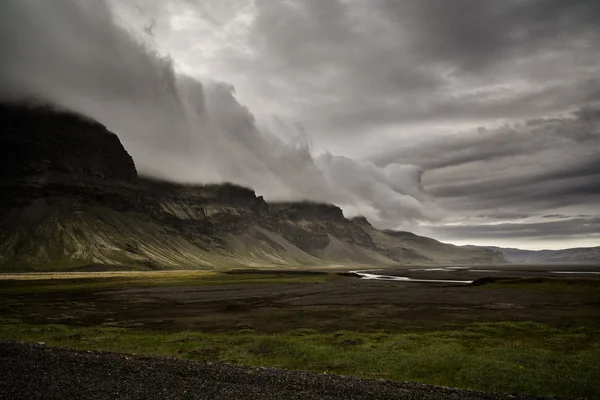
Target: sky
[[470, 121]]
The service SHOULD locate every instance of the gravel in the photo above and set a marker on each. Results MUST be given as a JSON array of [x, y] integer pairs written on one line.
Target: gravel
[[34, 371]]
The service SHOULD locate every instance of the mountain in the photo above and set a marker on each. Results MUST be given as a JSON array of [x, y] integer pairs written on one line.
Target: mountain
[[400, 245], [582, 255], [71, 199]]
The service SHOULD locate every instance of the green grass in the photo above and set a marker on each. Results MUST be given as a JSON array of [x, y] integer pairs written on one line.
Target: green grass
[[548, 357], [16, 287], [519, 357]]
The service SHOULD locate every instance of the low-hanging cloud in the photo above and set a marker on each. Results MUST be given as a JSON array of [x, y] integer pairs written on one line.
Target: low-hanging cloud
[[72, 54], [537, 178], [395, 191]]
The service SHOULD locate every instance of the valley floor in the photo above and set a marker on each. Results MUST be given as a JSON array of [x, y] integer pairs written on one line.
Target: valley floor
[[538, 336]]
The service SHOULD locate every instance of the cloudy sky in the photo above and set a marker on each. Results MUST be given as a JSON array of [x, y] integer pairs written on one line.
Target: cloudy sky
[[471, 121], [498, 101]]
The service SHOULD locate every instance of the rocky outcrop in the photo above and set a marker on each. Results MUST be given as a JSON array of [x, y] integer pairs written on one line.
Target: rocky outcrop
[[39, 141], [310, 226], [309, 210], [71, 197]]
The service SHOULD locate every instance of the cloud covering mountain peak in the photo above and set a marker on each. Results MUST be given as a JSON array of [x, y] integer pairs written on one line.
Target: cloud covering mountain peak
[[74, 55]]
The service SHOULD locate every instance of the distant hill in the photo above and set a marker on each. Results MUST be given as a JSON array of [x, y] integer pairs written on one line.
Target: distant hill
[[400, 245], [71, 199], [582, 255]]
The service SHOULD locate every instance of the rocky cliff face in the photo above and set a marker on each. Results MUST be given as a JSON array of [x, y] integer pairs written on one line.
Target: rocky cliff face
[[309, 226], [71, 197], [41, 141]]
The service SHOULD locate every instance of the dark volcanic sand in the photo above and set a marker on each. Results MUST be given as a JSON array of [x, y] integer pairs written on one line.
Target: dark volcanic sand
[[35, 372]]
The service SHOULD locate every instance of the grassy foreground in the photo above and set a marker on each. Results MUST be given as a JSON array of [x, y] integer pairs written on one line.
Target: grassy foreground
[[495, 357], [513, 354]]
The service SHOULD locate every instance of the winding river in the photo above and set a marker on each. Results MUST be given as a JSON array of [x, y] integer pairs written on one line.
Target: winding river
[[368, 274]]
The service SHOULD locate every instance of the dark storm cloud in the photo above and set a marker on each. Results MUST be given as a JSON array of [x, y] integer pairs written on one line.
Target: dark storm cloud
[[357, 73], [563, 216], [563, 228], [359, 65], [558, 182], [579, 130], [516, 173], [535, 196], [473, 34]]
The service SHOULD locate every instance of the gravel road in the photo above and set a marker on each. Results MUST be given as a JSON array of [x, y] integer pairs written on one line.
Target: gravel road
[[38, 372]]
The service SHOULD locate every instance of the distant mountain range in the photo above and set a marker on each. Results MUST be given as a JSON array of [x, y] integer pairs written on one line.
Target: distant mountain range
[[71, 199], [589, 255]]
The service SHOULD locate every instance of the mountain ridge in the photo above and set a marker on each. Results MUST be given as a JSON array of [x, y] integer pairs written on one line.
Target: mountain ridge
[[72, 198], [571, 255]]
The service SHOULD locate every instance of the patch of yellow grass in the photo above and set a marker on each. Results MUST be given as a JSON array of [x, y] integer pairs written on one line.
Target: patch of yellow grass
[[26, 276]]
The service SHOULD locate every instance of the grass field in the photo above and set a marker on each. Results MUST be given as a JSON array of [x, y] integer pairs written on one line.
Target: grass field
[[546, 342]]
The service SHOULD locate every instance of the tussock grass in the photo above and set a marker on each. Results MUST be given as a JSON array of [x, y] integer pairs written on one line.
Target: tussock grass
[[522, 357]]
